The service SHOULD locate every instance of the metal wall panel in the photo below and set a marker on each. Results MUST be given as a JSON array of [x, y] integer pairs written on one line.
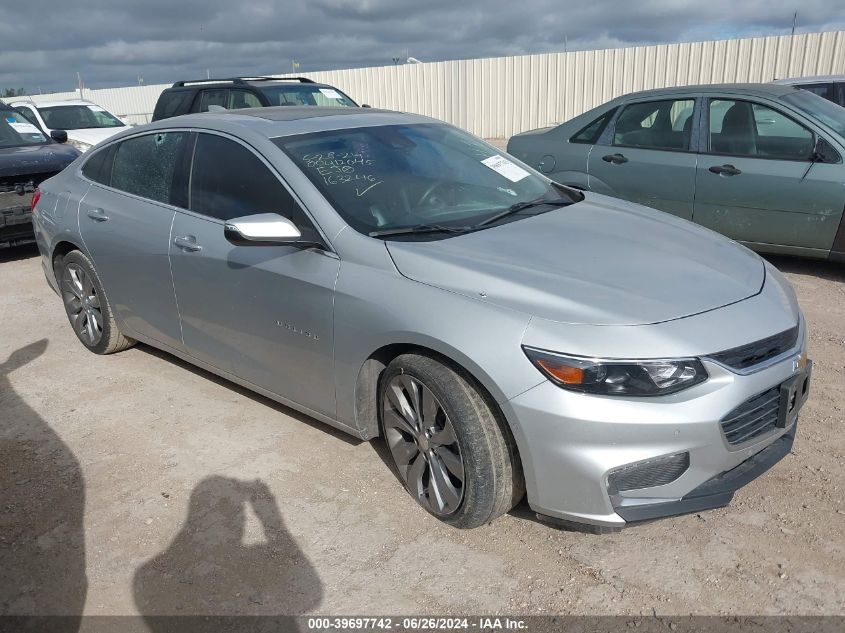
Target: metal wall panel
[[498, 97]]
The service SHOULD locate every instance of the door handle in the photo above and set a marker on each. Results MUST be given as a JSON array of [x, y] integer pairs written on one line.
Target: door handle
[[98, 215], [725, 170], [616, 159], [187, 242]]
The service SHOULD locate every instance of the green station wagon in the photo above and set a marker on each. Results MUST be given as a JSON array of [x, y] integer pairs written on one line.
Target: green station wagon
[[760, 163]]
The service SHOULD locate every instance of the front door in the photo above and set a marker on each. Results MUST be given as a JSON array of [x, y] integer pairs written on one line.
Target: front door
[[757, 183], [646, 156], [263, 313], [125, 220]]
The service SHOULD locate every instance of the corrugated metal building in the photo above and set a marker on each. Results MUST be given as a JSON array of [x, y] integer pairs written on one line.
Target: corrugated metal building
[[501, 96]]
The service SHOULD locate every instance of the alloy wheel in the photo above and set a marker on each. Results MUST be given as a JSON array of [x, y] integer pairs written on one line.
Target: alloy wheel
[[82, 304], [423, 443]]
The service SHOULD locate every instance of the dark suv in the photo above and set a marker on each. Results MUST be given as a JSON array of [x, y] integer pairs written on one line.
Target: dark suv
[[204, 95], [28, 156]]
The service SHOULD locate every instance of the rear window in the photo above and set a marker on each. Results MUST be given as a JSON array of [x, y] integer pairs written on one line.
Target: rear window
[[172, 103], [146, 165], [98, 166]]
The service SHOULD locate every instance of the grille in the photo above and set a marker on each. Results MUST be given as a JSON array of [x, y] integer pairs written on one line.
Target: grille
[[746, 356], [653, 472], [754, 417]]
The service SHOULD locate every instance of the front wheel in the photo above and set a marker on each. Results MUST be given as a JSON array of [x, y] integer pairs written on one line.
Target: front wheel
[[87, 307], [453, 454]]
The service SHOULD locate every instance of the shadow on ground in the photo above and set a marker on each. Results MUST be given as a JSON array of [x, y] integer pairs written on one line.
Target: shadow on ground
[[208, 569], [42, 502], [825, 269]]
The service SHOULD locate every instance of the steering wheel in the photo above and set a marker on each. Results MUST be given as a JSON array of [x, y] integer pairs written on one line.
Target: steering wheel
[[423, 200]]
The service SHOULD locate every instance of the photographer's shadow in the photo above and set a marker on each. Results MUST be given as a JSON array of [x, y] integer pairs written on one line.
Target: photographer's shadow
[[209, 571]]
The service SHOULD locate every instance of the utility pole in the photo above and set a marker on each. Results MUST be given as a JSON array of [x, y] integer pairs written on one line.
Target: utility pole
[[79, 84], [794, 20]]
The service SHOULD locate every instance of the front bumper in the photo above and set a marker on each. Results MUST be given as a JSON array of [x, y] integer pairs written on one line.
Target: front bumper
[[570, 443]]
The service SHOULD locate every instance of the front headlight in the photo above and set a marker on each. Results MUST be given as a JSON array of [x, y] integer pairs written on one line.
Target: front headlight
[[618, 377], [82, 146]]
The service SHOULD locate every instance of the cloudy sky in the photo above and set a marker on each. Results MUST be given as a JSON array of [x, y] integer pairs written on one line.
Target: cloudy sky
[[113, 43]]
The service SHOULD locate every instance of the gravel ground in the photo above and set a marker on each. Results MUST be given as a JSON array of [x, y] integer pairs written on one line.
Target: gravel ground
[[135, 483]]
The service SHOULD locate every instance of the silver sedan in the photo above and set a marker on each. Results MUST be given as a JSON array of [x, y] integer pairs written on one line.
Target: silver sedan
[[393, 276]]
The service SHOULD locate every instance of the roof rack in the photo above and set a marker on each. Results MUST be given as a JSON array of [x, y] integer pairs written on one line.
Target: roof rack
[[240, 80]]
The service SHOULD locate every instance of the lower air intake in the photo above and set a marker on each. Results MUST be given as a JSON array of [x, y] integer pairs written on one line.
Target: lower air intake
[[648, 473]]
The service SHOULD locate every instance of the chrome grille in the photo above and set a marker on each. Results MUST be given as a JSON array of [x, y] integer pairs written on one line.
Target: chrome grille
[[753, 418], [751, 354]]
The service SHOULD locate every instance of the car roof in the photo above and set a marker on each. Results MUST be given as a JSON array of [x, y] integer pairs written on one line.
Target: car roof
[[794, 81], [761, 90], [230, 83], [276, 121]]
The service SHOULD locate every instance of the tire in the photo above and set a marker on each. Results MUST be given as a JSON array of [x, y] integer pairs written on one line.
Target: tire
[[87, 307], [488, 480]]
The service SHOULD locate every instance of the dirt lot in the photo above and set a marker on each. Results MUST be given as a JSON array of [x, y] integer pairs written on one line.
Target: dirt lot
[[165, 489]]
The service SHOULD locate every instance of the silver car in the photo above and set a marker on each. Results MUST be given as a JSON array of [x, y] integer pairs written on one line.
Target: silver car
[[394, 276]]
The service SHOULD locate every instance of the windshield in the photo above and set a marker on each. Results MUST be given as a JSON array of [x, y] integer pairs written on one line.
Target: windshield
[[78, 117], [15, 130], [386, 177], [826, 112], [305, 95]]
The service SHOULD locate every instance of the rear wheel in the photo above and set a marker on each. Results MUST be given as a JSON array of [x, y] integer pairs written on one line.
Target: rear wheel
[[87, 307], [450, 450]]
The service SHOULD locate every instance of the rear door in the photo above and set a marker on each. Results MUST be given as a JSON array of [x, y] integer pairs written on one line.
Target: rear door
[[125, 219], [263, 313], [756, 183], [647, 155]]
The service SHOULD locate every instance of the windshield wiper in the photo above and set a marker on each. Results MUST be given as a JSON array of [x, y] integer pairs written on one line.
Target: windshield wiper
[[420, 228], [521, 206]]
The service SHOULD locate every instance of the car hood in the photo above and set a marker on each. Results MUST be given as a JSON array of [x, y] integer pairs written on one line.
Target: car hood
[[601, 261], [35, 159], [93, 135]]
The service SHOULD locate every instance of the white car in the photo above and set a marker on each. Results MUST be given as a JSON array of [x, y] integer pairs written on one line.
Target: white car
[[85, 122]]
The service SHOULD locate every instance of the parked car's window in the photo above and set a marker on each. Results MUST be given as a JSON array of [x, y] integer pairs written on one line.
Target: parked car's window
[[229, 181], [662, 124], [827, 113], [211, 100], [98, 166], [390, 176], [743, 128], [172, 103], [78, 117], [839, 97], [28, 114], [824, 90], [242, 99], [591, 132], [146, 165], [15, 130], [304, 95]]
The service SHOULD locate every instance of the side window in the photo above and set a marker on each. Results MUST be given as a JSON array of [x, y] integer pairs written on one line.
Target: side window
[[29, 115], [591, 132], [172, 103], [742, 128], [655, 124], [840, 94], [229, 181], [98, 166], [242, 99], [213, 100], [823, 90], [146, 166]]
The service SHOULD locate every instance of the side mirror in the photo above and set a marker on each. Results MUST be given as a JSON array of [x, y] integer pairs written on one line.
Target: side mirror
[[366, 105], [263, 229], [60, 136]]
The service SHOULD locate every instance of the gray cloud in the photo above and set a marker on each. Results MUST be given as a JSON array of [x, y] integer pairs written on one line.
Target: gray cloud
[[113, 43]]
